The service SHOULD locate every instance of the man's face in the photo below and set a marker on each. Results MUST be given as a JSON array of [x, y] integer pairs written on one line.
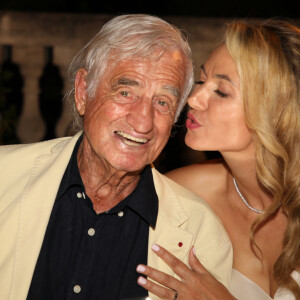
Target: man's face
[[128, 122]]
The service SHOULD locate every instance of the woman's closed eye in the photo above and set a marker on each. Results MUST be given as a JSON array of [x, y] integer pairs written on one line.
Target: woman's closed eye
[[218, 92], [221, 94]]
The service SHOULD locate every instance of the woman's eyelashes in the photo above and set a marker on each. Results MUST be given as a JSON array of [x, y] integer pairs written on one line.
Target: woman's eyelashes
[[221, 94], [218, 92]]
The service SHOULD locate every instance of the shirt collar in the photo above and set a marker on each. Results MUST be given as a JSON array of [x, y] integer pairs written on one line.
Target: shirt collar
[[143, 200], [71, 176]]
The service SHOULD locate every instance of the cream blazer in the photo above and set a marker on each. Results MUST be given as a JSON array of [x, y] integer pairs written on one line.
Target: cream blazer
[[29, 180]]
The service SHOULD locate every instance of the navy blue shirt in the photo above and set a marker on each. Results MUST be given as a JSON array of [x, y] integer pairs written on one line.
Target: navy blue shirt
[[94, 256]]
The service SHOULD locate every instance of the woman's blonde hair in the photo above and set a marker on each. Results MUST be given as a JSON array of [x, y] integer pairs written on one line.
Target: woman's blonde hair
[[268, 60]]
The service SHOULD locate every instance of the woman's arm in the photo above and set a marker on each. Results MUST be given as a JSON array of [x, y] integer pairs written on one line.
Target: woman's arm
[[196, 282]]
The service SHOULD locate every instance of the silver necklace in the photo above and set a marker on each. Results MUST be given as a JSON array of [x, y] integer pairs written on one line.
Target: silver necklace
[[244, 200]]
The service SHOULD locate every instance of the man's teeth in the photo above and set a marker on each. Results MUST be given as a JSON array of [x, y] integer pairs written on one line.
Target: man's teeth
[[127, 142], [131, 140]]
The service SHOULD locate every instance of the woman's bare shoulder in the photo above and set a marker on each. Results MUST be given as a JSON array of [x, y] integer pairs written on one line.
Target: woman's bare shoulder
[[198, 177]]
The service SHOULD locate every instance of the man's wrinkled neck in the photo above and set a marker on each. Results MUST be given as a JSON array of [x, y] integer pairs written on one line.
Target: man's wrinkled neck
[[104, 185]]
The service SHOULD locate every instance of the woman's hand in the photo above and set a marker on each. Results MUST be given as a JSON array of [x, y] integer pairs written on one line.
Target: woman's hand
[[196, 283]]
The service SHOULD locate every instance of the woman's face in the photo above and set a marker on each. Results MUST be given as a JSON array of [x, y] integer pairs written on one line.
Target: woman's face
[[216, 120]]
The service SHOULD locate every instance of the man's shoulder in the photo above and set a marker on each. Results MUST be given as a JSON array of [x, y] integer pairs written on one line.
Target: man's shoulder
[[16, 149], [18, 160], [24, 161], [27, 152]]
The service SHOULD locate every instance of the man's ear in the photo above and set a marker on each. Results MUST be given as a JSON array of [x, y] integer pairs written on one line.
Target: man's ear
[[80, 93]]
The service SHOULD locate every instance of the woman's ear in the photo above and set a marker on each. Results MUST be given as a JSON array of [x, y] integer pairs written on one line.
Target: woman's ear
[[80, 91]]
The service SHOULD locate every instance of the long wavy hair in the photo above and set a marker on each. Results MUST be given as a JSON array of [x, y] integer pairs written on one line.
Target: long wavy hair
[[267, 56], [129, 36]]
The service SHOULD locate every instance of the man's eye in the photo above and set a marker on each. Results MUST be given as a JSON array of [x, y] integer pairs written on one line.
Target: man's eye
[[162, 103], [162, 106], [124, 93], [124, 97], [199, 82]]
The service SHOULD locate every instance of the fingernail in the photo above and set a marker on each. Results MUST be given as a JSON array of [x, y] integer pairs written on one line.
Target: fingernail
[[140, 269], [155, 247], [142, 280], [194, 251]]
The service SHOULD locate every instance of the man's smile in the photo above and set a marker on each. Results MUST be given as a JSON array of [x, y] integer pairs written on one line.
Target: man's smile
[[131, 140]]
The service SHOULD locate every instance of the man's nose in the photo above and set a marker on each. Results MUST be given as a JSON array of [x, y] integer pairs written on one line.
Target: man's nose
[[141, 116], [199, 99]]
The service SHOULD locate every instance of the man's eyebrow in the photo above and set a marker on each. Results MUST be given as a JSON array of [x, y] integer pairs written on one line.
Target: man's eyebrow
[[221, 76], [172, 90], [125, 81]]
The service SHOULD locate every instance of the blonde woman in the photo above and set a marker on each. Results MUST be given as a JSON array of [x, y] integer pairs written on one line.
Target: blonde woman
[[246, 105]]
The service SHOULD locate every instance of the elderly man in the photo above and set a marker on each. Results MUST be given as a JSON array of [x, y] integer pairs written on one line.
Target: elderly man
[[78, 214]]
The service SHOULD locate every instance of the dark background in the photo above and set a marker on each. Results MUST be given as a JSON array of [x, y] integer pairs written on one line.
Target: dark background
[[229, 8]]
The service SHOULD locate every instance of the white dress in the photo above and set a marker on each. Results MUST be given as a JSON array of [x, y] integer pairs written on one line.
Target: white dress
[[243, 288]]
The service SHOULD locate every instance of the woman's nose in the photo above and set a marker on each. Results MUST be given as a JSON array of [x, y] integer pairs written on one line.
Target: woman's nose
[[199, 98]]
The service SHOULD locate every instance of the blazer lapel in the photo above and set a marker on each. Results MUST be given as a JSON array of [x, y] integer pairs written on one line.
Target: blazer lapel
[[168, 232], [35, 209]]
